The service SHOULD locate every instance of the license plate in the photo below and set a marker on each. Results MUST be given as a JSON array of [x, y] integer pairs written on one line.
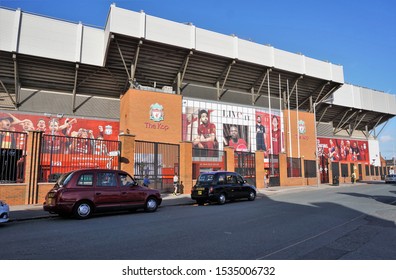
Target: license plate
[[199, 192]]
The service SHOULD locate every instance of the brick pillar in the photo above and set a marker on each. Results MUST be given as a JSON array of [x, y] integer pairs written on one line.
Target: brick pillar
[[32, 166], [185, 166], [230, 164], [260, 171], [282, 169], [127, 153], [364, 176]]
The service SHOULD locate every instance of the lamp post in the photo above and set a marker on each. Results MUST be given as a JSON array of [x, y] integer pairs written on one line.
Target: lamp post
[[316, 147]]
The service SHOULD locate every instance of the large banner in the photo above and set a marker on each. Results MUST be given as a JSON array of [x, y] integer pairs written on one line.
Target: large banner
[[56, 125], [344, 150], [269, 132], [59, 125], [211, 126]]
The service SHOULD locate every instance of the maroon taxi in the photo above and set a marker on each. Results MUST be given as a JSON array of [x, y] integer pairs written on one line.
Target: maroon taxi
[[86, 191]]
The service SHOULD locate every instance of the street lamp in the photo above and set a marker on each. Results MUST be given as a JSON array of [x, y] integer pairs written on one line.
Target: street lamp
[[317, 149]]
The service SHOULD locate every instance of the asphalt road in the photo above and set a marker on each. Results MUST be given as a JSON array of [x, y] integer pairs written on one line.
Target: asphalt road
[[334, 223]]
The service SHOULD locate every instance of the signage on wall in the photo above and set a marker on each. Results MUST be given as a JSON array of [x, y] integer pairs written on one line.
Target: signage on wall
[[301, 127], [156, 112], [302, 130], [156, 115]]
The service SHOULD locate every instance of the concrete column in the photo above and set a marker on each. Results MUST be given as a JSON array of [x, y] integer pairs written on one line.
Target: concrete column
[[128, 153]]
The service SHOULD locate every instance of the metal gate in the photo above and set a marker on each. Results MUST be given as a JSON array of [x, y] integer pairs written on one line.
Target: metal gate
[[159, 162], [273, 174], [245, 164], [324, 170], [335, 167]]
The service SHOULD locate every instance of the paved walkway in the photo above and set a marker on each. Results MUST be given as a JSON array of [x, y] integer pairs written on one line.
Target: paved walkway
[[35, 211]]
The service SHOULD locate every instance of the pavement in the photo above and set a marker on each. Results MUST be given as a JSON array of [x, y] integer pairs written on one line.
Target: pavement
[[35, 211]]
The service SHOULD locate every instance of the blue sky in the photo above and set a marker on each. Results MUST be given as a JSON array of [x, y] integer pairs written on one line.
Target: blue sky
[[360, 35]]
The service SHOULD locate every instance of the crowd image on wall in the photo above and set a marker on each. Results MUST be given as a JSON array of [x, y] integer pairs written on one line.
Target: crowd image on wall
[[344, 150], [85, 141]]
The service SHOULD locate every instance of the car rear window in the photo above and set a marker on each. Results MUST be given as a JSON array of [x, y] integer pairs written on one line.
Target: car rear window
[[205, 179], [63, 179]]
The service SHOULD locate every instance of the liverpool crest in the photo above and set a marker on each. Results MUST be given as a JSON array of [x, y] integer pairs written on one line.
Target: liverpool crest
[[301, 127], [156, 112]]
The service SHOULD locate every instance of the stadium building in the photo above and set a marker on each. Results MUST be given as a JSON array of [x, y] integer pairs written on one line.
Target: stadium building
[[155, 97]]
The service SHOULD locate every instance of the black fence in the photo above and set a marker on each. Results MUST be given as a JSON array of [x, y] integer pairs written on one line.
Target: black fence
[[273, 174], [12, 152], [293, 167], [245, 164], [310, 168], [159, 162], [61, 154]]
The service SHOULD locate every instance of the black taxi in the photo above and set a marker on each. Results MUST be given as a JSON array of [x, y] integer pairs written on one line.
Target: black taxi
[[220, 186]]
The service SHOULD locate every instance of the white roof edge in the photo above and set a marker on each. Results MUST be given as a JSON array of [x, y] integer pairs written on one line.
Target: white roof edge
[[141, 25], [163, 30], [358, 97]]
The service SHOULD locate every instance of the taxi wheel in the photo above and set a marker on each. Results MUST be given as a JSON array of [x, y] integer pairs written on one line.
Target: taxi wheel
[[252, 196], [222, 198], [83, 210], [151, 205]]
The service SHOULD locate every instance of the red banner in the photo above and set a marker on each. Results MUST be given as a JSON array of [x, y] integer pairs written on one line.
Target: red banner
[[344, 149], [60, 125]]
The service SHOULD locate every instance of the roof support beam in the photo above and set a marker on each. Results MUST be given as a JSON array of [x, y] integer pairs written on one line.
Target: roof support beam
[[333, 89], [322, 87], [122, 57], [342, 124], [322, 115], [180, 75], [134, 64], [75, 87], [16, 82], [221, 92], [256, 96], [373, 129], [357, 123], [9, 95], [295, 82]]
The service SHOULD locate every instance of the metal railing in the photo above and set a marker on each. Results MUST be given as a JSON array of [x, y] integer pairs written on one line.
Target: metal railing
[[293, 167], [158, 161], [60, 154], [12, 152]]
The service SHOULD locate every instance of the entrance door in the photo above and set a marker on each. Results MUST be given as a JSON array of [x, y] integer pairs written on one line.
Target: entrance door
[[324, 170], [160, 161]]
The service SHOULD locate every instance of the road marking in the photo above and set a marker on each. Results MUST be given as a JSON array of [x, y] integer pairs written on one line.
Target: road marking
[[312, 237]]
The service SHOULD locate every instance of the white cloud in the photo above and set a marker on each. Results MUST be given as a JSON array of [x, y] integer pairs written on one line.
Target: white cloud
[[386, 138]]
